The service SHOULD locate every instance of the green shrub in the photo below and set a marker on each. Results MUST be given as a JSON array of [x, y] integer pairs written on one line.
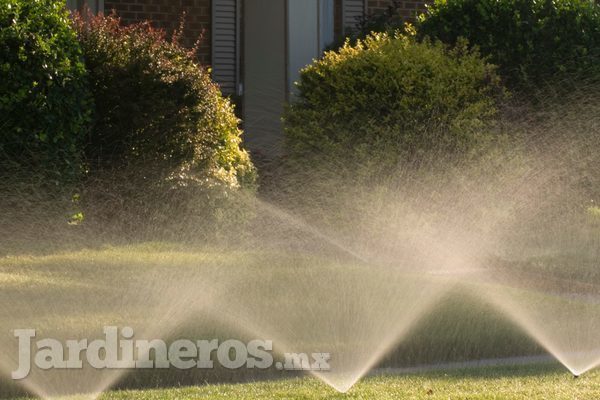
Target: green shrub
[[531, 41], [594, 212], [44, 97], [389, 100], [164, 149], [157, 110]]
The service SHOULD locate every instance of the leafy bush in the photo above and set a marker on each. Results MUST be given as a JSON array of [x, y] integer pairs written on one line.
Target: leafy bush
[[388, 100], [594, 212], [165, 144], [44, 97], [530, 40], [157, 110]]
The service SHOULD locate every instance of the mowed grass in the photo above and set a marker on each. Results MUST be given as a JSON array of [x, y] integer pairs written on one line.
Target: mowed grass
[[544, 381], [46, 291], [78, 291]]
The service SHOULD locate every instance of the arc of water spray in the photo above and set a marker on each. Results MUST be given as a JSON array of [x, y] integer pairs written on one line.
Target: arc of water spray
[[513, 311], [300, 224]]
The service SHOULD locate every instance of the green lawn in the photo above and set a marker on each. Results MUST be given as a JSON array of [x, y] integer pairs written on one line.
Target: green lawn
[[522, 382], [168, 291]]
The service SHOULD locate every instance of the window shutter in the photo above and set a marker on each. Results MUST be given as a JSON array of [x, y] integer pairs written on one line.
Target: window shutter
[[225, 34], [353, 10]]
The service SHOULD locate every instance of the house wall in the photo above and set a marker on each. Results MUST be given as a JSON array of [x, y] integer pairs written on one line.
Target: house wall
[[265, 71], [408, 8], [337, 19], [167, 14]]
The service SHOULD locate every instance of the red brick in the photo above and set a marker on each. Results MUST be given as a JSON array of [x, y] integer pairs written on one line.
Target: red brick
[[408, 9], [166, 14]]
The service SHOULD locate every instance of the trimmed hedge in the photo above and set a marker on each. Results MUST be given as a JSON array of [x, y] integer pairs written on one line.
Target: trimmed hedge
[[532, 41], [390, 99], [45, 105]]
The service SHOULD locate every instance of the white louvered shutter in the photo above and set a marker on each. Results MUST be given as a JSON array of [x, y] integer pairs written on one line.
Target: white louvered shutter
[[353, 10], [225, 35]]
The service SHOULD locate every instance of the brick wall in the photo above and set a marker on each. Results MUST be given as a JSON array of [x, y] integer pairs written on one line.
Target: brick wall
[[166, 14], [407, 8]]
